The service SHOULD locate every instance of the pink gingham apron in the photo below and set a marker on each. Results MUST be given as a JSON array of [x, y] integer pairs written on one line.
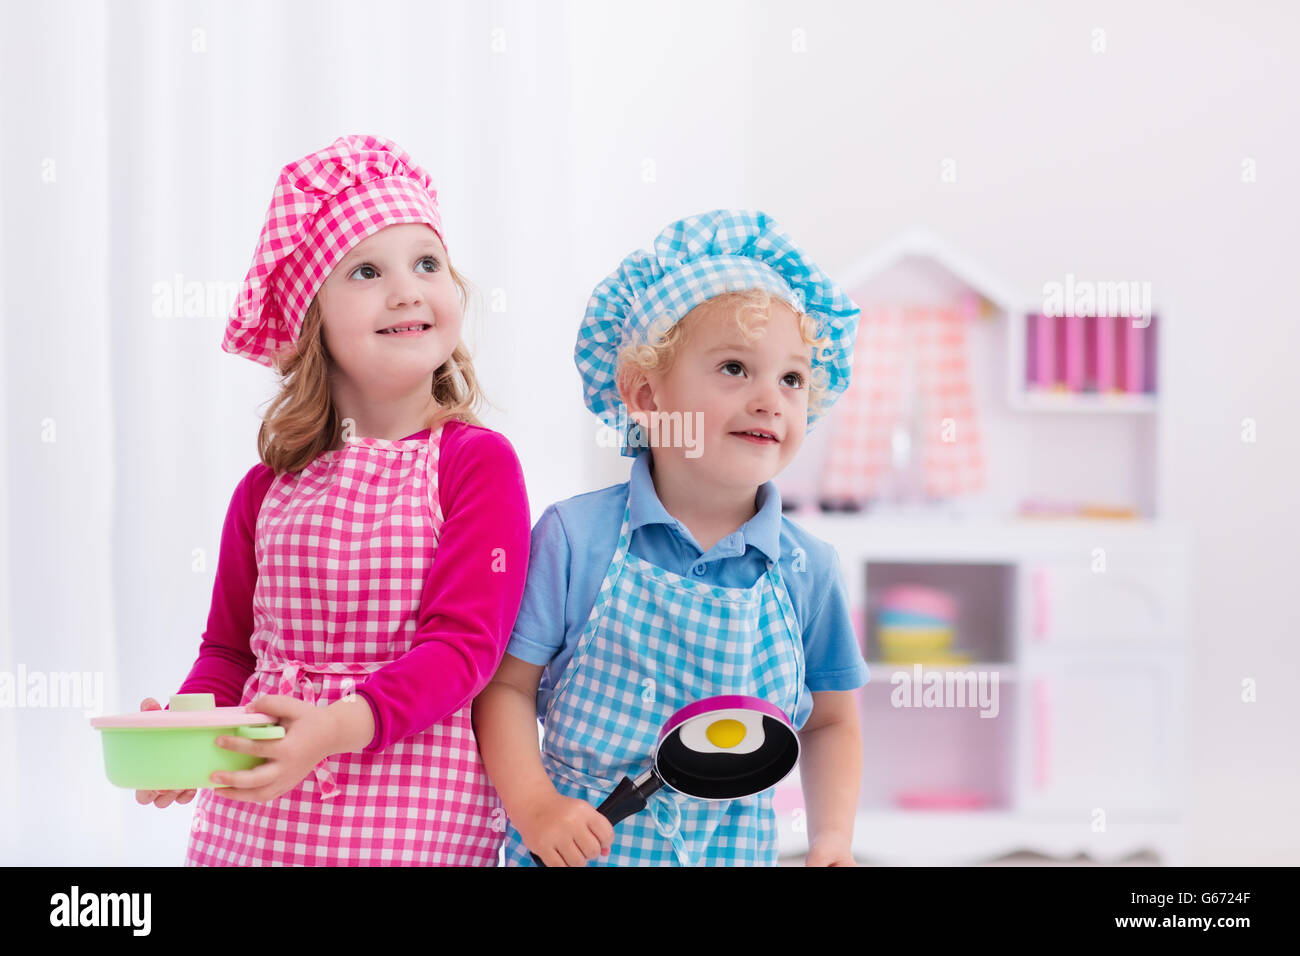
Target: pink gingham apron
[[344, 549]]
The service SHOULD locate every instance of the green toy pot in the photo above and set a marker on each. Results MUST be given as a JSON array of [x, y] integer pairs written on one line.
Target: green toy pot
[[176, 749]]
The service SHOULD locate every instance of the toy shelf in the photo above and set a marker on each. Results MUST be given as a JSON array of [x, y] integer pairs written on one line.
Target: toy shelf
[[982, 595], [1041, 426], [1087, 404], [1080, 753], [1035, 555], [1085, 363]]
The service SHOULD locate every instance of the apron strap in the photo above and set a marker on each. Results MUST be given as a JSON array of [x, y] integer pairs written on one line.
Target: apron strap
[[431, 480], [792, 630], [615, 563]]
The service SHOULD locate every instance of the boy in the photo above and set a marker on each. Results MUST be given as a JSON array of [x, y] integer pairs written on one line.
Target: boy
[[685, 581]]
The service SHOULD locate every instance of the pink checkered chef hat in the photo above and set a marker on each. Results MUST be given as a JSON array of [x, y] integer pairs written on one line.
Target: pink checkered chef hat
[[324, 204]]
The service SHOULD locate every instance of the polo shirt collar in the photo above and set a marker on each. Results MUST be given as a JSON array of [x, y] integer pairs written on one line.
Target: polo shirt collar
[[763, 530]]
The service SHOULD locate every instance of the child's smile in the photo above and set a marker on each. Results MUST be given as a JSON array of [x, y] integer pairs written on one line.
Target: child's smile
[[751, 398], [392, 312]]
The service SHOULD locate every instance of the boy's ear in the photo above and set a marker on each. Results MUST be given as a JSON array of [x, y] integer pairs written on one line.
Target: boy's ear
[[635, 390]]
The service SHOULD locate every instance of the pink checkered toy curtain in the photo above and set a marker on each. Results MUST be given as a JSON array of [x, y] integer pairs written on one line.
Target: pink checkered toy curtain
[[934, 400]]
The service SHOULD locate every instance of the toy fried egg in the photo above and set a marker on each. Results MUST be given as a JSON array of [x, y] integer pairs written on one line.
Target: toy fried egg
[[732, 731], [725, 747]]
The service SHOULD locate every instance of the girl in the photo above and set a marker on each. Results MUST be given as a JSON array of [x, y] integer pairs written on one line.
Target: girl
[[686, 581], [372, 564]]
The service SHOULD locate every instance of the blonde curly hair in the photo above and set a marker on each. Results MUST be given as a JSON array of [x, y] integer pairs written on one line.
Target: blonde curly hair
[[749, 308]]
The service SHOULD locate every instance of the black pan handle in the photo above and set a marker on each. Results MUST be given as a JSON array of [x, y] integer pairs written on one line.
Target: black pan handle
[[626, 800]]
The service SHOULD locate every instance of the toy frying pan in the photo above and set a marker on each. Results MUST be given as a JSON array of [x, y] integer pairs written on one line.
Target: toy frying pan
[[718, 748]]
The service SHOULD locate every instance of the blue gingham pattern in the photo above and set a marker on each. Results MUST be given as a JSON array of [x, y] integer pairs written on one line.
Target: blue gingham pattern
[[655, 642], [695, 259]]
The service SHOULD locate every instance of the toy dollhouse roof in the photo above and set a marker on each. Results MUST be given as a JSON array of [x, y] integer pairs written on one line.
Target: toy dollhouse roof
[[919, 243]]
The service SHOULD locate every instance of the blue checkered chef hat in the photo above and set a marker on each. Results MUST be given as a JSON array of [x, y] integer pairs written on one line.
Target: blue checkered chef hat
[[695, 259]]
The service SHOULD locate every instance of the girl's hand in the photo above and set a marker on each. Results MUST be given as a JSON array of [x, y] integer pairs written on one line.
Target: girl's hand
[[308, 739], [830, 850], [564, 831], [161, 798]]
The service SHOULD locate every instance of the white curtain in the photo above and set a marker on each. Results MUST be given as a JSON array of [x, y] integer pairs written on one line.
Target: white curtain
[[141, 142]]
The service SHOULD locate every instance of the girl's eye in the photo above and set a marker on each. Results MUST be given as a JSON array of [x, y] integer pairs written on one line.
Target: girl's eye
[[798, 379], [433, 267], [730, 365]]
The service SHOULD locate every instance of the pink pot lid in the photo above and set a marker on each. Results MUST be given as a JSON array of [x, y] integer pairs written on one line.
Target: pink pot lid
[[176, 719]]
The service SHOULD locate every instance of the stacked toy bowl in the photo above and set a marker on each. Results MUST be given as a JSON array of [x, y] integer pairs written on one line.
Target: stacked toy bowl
[[917, 625]]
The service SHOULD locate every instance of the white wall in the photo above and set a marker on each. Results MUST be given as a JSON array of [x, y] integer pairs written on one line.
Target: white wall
[[1117, 165], [1125, 164]]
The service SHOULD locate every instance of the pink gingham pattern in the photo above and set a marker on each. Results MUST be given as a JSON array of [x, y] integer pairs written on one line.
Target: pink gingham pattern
[[323, 205], [859, 456], [344, 548]]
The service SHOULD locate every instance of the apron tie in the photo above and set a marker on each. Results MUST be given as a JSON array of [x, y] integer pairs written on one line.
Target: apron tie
[[294, 670], [668, 821], [294, 675]]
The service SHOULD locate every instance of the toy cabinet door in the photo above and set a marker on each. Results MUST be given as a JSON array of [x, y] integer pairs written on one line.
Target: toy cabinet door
[[1097, 736], [1128, 603]]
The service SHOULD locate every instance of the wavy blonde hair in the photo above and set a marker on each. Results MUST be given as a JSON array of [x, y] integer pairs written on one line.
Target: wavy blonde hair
[[749, 308], [302, 421]]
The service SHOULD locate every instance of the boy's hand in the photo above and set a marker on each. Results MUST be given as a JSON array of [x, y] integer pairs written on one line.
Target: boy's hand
[[308, 739], [161, 798], [832, 849], [564, 831]]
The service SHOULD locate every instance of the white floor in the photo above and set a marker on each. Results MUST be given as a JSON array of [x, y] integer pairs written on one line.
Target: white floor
[[1026, 859]]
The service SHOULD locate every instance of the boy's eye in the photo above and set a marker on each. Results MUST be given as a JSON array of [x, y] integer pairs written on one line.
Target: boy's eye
[[727, 366], [798, 379]]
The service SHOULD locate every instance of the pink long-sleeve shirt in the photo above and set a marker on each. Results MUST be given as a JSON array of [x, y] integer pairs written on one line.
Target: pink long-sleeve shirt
[[466, 612]]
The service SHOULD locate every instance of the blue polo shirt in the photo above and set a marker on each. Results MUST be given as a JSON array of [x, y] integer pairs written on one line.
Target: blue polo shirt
[[573, 543]]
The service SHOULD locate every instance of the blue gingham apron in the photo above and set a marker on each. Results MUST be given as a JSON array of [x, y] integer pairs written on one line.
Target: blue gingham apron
[[655, 642]]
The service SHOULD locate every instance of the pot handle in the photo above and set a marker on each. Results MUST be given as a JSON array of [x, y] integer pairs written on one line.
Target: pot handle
[[260, 732]]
